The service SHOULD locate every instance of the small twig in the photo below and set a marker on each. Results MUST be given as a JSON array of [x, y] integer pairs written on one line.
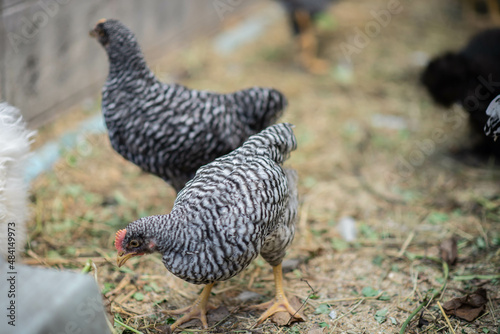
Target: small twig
[[124, 282], [471, 277], [437, 293], [482, 232], [36, 257], [414, 279], [330, 301], [227, 288], [406, 243], [492, 310], [304, 303], [127, 327], [482, 316], [50, 262], [446, 318], [350, 310], [126, 297]]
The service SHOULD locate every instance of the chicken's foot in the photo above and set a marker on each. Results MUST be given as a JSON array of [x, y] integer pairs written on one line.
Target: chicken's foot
[[279, 303], [196, 311], [308, 44]]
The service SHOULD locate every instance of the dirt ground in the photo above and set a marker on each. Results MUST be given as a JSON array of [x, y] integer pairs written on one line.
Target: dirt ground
[[372, 146]]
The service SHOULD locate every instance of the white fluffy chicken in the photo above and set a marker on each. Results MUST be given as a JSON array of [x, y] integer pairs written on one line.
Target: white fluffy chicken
[[15, 140]]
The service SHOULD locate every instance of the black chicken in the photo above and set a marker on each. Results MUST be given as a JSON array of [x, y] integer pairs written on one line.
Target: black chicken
[[239, 206], [470, 77], [301, 14], [489, 8], [167, 129]]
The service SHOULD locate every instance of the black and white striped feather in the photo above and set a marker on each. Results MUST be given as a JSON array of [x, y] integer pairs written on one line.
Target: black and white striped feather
[[237, 207], [492, 127], [167, 129]]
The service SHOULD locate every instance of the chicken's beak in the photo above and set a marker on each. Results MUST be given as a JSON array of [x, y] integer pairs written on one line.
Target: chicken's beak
[[122, 258], [93, 32]]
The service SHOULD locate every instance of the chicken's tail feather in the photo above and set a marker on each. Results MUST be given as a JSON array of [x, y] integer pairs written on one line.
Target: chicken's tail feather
[[277, 141], [260, 107]]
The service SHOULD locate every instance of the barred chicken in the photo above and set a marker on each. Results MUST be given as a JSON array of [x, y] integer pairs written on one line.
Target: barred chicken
[[167, 129], [239, 206], [301, 14], [492, 127]]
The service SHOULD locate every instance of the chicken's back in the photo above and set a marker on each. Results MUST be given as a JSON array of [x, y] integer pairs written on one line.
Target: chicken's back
[[170, 130], [231, 209]]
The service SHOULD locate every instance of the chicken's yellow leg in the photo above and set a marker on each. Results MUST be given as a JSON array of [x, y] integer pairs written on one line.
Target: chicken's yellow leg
[[308, 44], [196, 311], [494, 11], [280, 302]]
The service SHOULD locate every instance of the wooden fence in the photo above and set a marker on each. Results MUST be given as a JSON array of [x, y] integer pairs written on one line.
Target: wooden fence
[[48, 63]]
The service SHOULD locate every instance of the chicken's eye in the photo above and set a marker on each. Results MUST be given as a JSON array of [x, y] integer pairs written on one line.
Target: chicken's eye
[[134, 243], [101, 33]]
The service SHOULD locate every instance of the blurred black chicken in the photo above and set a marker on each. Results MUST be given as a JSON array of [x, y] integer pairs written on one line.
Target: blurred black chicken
[[301, 14], [167, 129], [480, 9], [239, 206], [470, 77]]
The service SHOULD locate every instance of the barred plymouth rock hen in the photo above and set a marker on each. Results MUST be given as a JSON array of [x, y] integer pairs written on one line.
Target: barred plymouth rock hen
[[239, 206], [492, 127], [167, 129]]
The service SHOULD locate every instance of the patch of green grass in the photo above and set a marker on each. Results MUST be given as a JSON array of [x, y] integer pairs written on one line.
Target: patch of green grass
[[378, 260], [325, 21], [368, 232], [339, 244], [381, 315], [139, 296], [107, 287], [322, 309], [438, 217], [369, 292]]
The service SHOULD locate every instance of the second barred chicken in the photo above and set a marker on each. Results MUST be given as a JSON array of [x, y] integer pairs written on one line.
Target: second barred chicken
[[239, 206], [167, 129]]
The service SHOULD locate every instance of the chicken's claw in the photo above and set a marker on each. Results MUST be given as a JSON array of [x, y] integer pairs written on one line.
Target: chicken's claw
[[275, 306], [198, 310], [279, 303]]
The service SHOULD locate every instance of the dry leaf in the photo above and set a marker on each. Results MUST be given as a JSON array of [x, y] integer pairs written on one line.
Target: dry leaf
[[468, 307]]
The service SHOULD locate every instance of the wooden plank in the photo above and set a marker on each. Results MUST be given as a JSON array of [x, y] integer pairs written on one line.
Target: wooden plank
[[48, 62]]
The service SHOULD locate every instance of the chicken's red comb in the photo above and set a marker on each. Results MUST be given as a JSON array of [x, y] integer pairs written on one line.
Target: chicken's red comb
[[119, 239]]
